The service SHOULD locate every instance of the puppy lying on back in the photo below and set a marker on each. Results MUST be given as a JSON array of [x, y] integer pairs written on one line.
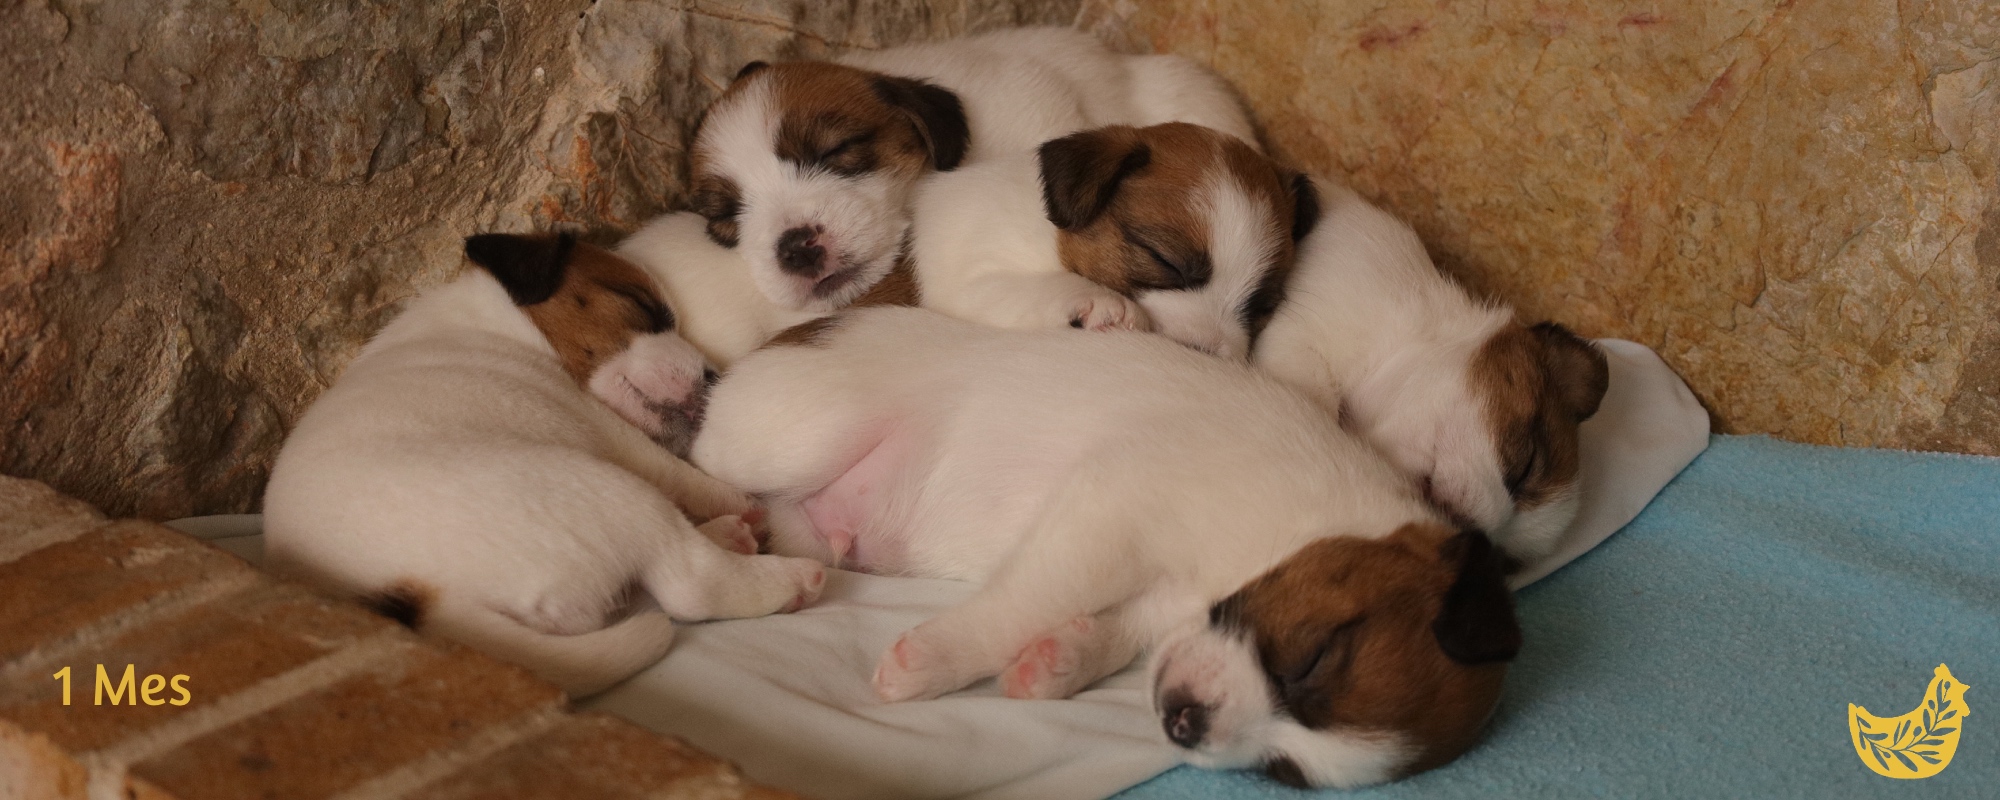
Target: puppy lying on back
[[807, 168], [1173, 227], [1482, 409], [1307, 610], [459, 476]]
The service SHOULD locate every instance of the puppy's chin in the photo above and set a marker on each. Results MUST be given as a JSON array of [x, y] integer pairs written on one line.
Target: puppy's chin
[[1198, 321], [845, 280]]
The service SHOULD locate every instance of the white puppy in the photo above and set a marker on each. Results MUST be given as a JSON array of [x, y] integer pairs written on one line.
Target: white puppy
[[1174, 227], [459, 477], [808, 168], [1309, 612], [1481, 408]]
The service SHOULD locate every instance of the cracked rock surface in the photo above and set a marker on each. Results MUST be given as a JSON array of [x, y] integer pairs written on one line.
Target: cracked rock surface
[[212, 204]]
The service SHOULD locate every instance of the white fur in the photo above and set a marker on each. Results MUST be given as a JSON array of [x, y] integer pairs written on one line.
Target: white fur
[[986, 252], [1115, 476], [1369, 322], [456, 453], [709, 287], [1019, 88]]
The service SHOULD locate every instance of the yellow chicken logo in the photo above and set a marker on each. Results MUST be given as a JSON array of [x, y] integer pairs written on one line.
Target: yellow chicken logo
[[1918, 744]]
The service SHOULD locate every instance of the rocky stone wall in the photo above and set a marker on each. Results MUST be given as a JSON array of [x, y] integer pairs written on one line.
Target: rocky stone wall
[[211, 204], [1794, 201]]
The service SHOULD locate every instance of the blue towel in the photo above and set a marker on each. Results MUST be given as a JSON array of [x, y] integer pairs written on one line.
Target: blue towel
[[1710, 649]]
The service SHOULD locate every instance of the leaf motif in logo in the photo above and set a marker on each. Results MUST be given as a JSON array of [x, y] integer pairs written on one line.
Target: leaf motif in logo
[[1927, 719], [1903, 758], [1943, 731]]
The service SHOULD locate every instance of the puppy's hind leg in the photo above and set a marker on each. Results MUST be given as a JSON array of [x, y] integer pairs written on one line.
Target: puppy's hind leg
[[1070, 567], [695, 579]]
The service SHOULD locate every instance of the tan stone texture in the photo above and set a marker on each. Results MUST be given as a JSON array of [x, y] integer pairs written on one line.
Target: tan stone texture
[[211, 204], [1795, 202]]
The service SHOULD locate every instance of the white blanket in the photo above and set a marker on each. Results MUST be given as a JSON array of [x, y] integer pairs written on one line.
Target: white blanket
[[787, 697]]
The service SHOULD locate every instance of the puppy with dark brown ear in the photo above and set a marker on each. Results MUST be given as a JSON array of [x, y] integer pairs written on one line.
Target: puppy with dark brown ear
[[1481, 409], [1176, 228], [490, 468], [1307, 610], [807, 168]]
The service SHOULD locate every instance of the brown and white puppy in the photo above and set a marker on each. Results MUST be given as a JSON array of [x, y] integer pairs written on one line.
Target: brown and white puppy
[[1479, 407], [1175, 228], [461, 477], [1307, 610], [808, 168]]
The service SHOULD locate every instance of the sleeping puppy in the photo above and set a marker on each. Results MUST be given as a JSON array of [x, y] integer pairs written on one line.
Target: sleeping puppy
[[460, 477], [1480, 407], [1307, 610], [1173, 227], [723, 314], [808, 168]]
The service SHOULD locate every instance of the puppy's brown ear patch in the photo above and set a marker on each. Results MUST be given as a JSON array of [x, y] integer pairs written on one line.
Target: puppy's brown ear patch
[[530, 266], [810, 333], [1476, 624], [937, 114], [405, 601], [1081, 172], [1578, 374], [750, 69], [1305, 206]]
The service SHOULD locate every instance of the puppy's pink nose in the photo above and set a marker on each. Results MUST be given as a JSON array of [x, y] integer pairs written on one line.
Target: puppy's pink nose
[[799, 251]]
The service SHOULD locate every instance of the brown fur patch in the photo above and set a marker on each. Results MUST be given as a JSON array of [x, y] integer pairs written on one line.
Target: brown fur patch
[[1127, 204], [405, 601], [810, 333], [898, 288], [1540, 383], [1351, 634], [602, 304]]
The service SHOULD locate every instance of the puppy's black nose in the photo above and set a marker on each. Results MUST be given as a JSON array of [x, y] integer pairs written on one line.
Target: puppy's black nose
[[1186, 722], [799, 251]]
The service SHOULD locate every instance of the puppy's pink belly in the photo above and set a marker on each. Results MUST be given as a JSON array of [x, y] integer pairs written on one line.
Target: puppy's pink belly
[[847, 513]]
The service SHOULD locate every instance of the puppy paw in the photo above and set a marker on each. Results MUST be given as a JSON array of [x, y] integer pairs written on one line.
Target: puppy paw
[[912, 669], [1108, 310], [1039, 672], [762, 585], [1051, 667], [732, 533]]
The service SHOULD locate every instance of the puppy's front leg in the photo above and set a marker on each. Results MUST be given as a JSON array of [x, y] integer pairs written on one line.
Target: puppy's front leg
[[702, 496], [1061, 662], [1051, 300]]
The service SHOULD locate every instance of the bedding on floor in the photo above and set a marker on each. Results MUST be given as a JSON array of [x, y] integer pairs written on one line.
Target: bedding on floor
[[787, 696]]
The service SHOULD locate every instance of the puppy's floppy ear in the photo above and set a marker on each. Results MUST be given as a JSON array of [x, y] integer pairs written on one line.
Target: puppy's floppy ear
[[1081, 172], [1305, 206], [530, 267], [749, 69], [1577, 373], [1476, 624], [937, 113]]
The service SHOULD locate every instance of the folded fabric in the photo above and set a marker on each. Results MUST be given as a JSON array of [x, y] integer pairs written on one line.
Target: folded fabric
[[787, 697]]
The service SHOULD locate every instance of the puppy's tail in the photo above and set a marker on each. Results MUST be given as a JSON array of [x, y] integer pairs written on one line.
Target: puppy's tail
[[583, 664]]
